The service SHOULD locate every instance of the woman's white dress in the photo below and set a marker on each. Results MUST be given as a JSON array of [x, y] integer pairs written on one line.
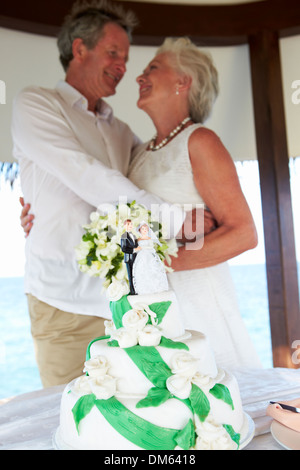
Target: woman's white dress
[[148, 272], [206, 296]]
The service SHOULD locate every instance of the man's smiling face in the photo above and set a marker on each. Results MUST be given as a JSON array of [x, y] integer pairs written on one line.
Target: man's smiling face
[[105, 64]]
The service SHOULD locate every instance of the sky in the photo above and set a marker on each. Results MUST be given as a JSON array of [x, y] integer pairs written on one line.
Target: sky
[[12, 240]]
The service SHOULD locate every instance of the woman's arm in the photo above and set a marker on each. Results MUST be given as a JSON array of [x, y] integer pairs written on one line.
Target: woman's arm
[[217, 181]]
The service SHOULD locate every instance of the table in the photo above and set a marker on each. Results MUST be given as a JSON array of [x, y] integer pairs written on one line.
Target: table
[[29, 421]]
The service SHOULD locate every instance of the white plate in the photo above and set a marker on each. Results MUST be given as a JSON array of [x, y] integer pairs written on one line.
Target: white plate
[[286, 437], [247, 433]]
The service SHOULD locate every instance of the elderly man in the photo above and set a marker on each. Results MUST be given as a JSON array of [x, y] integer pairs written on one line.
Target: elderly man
[[73, 155]]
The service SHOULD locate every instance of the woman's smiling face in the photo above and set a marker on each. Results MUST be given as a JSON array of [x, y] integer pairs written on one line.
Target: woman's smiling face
[[158, 82]]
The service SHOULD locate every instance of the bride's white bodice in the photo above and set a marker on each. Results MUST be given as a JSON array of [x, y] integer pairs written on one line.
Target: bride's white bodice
[[146, 244], [167, 172]]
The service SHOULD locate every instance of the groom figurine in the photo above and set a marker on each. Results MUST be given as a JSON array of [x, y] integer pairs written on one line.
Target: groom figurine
[[128, 245]]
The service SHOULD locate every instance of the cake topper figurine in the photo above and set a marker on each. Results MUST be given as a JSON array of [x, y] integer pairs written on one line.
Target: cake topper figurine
[[149, 274], [129, 246]]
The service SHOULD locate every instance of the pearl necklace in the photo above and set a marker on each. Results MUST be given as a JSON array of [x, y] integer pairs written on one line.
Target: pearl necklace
[[169, 137]]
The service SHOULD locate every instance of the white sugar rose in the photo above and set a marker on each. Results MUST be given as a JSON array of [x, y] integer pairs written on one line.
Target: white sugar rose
[[81, 385], [125, 337], [179, 386], [135, 319], [205, 382], [109, 327], [212, 436], [116, 290], [96, 366], [145, 307], [104, 386], [149, 336], [183, 363]]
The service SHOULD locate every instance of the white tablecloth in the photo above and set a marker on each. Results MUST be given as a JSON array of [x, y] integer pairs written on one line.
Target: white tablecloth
[[29, 421]]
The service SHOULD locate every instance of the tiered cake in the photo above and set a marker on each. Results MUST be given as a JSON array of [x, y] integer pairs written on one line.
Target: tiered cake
[[149, 384]]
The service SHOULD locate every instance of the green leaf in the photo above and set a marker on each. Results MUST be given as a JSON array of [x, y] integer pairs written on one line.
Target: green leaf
[[88, 237], [199, 402], [186, 438], [90, 258], [156, 396], [82, 408], [160, 308], [221, 392], [234, 435], [113, 343], [150, 363], [157, 372], [118, 309], [169, 343]]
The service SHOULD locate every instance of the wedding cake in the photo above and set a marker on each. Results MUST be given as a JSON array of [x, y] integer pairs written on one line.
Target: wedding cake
[[149, 384]]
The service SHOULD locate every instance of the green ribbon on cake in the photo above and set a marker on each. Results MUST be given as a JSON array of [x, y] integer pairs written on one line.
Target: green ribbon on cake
[[142, 433], [118, 309]]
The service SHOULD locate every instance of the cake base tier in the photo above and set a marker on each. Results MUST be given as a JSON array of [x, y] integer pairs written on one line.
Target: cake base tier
[[96, 432], [247, 433]]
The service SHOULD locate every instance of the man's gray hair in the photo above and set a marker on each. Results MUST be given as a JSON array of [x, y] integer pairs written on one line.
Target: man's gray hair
[[86, 21]]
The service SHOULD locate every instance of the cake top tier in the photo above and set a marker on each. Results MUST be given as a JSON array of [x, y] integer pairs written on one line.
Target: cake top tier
[[148, 316]]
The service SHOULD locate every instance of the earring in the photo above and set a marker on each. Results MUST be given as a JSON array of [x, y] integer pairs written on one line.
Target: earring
[[177, 90]]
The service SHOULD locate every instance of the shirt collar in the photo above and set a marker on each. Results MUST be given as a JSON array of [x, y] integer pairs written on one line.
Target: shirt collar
[[75, 99]]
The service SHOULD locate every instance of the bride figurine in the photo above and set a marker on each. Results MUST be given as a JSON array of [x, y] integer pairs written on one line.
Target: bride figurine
[[149, 275]]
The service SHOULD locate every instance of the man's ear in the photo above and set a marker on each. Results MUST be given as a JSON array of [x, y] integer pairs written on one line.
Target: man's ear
[[78, 49]]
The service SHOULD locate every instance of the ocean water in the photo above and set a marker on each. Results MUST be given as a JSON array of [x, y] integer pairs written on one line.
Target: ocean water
[[18, 370]]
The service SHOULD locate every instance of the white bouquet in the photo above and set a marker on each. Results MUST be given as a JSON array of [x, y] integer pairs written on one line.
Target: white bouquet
[[99, 252]]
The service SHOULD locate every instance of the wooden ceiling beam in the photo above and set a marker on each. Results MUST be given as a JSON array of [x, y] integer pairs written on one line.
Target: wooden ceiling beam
[[209, 25]]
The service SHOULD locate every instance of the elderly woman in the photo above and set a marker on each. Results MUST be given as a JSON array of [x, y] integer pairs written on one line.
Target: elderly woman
[[186, 163]]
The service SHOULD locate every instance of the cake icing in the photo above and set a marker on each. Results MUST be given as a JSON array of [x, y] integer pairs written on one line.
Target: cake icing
[[149, 384]]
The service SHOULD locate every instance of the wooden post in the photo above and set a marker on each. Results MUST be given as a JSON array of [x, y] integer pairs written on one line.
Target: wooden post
[[276, 197]]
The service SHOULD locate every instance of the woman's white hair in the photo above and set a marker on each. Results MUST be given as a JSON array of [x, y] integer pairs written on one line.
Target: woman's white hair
[[190, 61]]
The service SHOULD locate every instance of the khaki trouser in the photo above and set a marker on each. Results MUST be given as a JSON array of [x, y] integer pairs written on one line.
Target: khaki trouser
[[60, 340]]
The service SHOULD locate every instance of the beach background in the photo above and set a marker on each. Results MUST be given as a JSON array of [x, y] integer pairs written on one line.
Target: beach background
[[18, 370]]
